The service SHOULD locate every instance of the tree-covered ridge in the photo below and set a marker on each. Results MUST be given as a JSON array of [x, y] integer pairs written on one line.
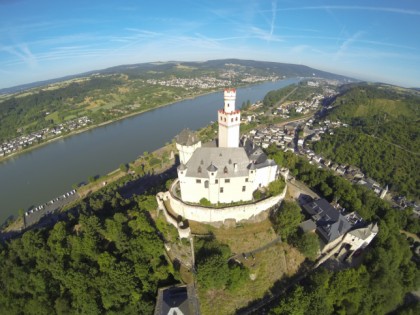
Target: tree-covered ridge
[[294, 92], [383, 111], [384, 135], [387, 163], [107, 260]]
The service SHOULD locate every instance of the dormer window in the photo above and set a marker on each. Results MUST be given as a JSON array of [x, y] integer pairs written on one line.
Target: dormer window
[[199, 169], [225, 170]]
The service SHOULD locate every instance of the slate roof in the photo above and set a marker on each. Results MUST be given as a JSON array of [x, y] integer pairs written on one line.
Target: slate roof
[[330, 223], [255, 153], [308, 225], [364, 233], [187, 137], [222, 158], [173, 298]]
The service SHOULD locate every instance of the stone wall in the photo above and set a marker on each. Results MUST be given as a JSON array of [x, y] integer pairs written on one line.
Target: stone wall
[[211, 215], [183, 232]]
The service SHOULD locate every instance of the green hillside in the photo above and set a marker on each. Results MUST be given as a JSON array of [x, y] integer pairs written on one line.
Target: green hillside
[[384, 139]]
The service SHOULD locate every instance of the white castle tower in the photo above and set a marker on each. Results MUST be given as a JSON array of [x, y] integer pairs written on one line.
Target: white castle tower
[[229, 121]]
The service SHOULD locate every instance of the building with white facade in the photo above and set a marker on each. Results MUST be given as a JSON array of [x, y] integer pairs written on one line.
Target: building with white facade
[[227, 172]]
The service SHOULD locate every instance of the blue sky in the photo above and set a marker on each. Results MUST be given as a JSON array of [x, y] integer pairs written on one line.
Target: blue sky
[[370, 40]]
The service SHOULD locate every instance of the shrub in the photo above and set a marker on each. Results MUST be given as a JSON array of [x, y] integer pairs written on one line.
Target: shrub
[[205, 202]]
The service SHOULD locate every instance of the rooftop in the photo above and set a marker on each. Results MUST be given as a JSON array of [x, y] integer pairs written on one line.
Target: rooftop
[[187, 137], [330, 223], [224, 159]]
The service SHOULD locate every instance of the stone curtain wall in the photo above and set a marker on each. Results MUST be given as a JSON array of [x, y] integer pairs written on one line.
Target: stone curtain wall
[[211, 215]]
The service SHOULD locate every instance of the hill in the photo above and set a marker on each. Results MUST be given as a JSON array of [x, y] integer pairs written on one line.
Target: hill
[[115, 92], [281, 69], [384, 139]]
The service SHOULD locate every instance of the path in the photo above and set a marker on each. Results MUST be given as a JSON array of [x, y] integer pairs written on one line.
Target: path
[[257, 250], [296, 188], [395, 145], [285, 97]]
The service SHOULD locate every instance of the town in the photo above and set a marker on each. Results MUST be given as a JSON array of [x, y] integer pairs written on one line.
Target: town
[[36, 137], [208, 82], [297, 136]]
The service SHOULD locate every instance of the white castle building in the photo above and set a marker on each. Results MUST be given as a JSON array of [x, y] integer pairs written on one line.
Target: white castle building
[[226, 172]]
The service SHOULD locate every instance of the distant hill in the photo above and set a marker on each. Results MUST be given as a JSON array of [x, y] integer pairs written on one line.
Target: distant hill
[[367, 100], [141, 69], [264, 67]]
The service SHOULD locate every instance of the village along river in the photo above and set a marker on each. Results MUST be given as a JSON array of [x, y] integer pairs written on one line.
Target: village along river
[[35, 177]]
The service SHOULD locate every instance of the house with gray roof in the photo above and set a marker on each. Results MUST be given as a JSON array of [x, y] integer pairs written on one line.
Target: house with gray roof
[[177, 300], [330, 223]]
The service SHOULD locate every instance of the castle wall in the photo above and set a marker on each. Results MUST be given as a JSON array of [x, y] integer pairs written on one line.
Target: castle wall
[[209, 215], [264, 176], [232, 191], [183, 233]]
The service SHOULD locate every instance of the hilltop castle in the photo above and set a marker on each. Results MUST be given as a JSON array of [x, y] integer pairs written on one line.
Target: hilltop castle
[[223, 172], [226, 171]]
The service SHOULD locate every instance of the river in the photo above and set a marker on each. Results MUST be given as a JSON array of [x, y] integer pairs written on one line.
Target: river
[[39, 175]]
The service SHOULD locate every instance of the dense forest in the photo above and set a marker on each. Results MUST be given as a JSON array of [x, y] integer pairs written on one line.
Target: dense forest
[[107, 259], [388, 272], [383, 138], [385, 162]]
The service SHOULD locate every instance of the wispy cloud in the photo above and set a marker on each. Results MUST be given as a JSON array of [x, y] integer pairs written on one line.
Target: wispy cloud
[[273, 17], [258, 33], [23, 53], [346, 44], [358, 8]]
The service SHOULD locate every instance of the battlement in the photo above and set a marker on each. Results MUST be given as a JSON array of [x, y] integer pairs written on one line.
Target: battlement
[[230, 94]]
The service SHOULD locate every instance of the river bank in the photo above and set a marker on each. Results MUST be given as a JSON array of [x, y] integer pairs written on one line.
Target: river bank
[[94, 126], [17, 224]]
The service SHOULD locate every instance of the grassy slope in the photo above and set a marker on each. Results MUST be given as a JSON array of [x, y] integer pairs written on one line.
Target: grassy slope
[[269, 266]]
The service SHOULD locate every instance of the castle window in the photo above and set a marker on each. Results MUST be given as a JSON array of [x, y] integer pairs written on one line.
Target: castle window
[[221, 189], [217, 181], [243, 188], [246, 179], [227, 180], [206, 184], [198, 181], [225, 170], [231, 120], [212, 174]]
